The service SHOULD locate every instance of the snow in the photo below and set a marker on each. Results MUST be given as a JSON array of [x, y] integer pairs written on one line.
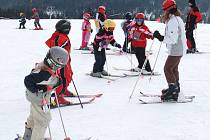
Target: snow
[[111, 117]]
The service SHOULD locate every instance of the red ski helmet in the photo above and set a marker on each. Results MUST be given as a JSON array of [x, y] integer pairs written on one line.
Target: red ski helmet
[[102, 9], [140, 16], [168, 4], [86, 16], [34, 10]]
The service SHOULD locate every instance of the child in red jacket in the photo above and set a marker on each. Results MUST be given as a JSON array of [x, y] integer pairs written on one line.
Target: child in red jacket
[[60, 38], [138, 34], [86, 31]]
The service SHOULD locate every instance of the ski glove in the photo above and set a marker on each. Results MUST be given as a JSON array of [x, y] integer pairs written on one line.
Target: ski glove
[[117, 45], [103, 44], [157, 35]]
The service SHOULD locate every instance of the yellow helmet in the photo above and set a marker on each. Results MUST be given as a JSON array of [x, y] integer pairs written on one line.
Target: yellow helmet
[[109, 25]]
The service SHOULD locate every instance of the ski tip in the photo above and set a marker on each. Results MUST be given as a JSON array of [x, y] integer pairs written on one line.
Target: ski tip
[[99, 95]]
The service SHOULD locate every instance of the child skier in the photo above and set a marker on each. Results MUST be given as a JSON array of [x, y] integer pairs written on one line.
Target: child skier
[[22, 21], [125, 26], [86, 31], [39, 84], [60, 38], [102, 39], [193, 17], [36, 19], [100, 18], [175, 42], [138, 34]]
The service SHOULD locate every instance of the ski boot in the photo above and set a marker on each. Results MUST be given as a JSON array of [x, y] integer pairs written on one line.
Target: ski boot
[[96, 74], [177, 88], [145, 72], [171, 94], [105, 73], [137, 69], [61, 100], [19, 137], [27, 134], [194, 50], [69, 93]]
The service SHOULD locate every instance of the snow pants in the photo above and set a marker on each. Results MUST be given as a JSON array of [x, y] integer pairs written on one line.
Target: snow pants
[[38, 121], [22, 25], [190, 39], [37, 24], [140, 55], [100, 59], [171, 69], [85, 39]]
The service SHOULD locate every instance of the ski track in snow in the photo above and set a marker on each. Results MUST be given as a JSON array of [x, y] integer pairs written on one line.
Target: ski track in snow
[[112, 116]]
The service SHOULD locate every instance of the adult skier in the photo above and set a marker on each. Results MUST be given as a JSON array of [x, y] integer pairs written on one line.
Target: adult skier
[[39, 84], [175, 42], [138, 34], [60, 38], [193, 17], [102, 39]]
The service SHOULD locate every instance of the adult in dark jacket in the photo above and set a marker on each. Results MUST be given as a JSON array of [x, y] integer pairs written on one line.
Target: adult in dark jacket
[[193, 17]]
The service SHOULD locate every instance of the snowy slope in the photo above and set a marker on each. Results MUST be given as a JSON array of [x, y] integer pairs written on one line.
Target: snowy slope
[[111, 117]]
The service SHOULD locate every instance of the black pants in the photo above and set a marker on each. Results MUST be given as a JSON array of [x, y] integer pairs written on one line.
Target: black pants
[[190, 39], [36, 23], [22, 24], [125, 46], [100, 59], [140, 55]]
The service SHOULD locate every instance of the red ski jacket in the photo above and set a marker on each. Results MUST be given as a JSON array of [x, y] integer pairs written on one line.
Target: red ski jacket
[[62, 40], [139, 34], [193, 17]]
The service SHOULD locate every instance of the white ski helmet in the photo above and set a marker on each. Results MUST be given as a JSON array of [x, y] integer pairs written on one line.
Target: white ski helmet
[[56, 58]]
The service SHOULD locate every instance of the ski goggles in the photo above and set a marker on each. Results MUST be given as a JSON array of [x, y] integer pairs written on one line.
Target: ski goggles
[[52, 63], [139, 20]]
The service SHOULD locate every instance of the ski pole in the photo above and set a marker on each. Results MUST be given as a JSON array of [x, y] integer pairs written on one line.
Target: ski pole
[[155, 62], [77, 94], [144, 65], [67, 138], [46, 108], [107, 67]]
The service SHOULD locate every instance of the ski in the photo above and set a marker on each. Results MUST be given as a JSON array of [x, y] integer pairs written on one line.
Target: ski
[[158, 95], [107, 53], [19, 137], [157, 100], [82, 95], [52, 106], [110, 77], [132, 72]]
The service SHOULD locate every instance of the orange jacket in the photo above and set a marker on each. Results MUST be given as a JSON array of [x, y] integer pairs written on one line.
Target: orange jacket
[[62, 40]]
